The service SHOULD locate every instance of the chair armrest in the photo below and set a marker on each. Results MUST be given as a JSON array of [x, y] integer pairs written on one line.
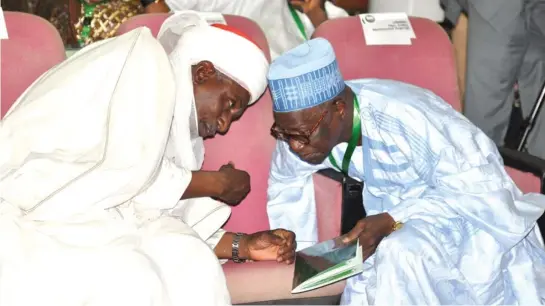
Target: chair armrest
[[524, 162], [332, 174], [259, 281], [328, 195]]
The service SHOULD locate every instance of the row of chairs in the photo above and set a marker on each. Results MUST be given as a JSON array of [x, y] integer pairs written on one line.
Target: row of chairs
[[33, 47], [428, 63]]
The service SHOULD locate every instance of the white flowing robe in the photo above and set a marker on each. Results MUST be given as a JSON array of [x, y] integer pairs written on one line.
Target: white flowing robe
[[273, 16], [86, 188], [470, 235]]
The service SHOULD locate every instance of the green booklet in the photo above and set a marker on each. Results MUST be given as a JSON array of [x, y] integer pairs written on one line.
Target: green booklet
[[326, 263]]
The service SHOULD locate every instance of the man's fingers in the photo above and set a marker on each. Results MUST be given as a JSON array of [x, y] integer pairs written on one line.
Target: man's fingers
[[355, 233], [229, 165], [289, 236], [286, 255], [283, 250], [288, 259], [286, 240], [286, 248]]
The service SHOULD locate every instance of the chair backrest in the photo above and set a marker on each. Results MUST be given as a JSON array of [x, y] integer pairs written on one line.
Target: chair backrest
[[248, 144], [34, 46], [428, 62], [154, 22]]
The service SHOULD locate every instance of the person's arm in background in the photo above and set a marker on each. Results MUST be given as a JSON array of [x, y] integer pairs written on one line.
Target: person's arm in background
[[290, 195], [158, 6], [455, 13], [315, 12], [313, 9]]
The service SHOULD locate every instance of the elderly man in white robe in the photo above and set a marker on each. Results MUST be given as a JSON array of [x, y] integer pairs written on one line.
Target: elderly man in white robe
[[445, 224], [101, 198], [286, 23]]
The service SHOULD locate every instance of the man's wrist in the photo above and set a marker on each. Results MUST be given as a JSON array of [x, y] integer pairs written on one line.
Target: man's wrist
[[391, 223], [217, 184]]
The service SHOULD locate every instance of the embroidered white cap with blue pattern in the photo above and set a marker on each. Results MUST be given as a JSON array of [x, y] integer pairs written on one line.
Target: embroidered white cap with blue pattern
[[305, 76]]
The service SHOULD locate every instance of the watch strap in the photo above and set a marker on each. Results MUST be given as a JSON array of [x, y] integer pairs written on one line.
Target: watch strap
[[235, 248]]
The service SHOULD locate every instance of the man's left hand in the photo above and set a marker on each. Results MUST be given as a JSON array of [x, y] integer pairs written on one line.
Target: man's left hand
[[308, 6], [276, 245], [370, 231]]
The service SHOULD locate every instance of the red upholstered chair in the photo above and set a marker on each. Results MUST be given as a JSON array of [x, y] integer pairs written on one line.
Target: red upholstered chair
[[249, 145], [34, 46], [428, 63]]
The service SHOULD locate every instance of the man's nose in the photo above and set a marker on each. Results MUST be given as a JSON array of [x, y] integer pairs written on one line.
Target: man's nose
[[224, 123]]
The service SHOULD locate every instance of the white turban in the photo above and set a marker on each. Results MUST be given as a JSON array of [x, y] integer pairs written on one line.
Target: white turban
[[189, 39]]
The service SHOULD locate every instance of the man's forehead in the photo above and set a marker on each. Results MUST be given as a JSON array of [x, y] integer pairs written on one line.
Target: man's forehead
[[294, 119], [237, 89]]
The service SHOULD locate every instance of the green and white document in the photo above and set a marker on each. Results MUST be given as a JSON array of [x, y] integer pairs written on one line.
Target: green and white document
[[326, 263]]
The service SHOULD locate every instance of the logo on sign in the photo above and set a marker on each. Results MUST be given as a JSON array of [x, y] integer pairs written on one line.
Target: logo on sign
[[369, 18]]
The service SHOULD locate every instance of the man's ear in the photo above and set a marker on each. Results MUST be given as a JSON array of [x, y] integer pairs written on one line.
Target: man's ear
[[203, 71], [339, 106]]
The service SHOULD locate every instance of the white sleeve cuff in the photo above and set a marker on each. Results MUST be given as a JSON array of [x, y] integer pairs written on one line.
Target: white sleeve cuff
[[214, 240]]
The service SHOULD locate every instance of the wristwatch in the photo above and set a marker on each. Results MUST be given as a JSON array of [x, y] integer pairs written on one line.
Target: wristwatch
[[397, 226], [235, 246], [148, 2]]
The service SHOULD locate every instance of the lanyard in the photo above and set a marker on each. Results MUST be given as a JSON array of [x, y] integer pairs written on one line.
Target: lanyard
[[298, 21], [356, 133]]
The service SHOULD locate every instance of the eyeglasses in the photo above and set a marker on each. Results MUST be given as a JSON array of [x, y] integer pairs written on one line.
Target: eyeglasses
[[302, 138]]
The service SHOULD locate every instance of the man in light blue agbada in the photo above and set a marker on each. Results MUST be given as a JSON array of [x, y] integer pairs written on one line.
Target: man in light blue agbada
[[445, 225]]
